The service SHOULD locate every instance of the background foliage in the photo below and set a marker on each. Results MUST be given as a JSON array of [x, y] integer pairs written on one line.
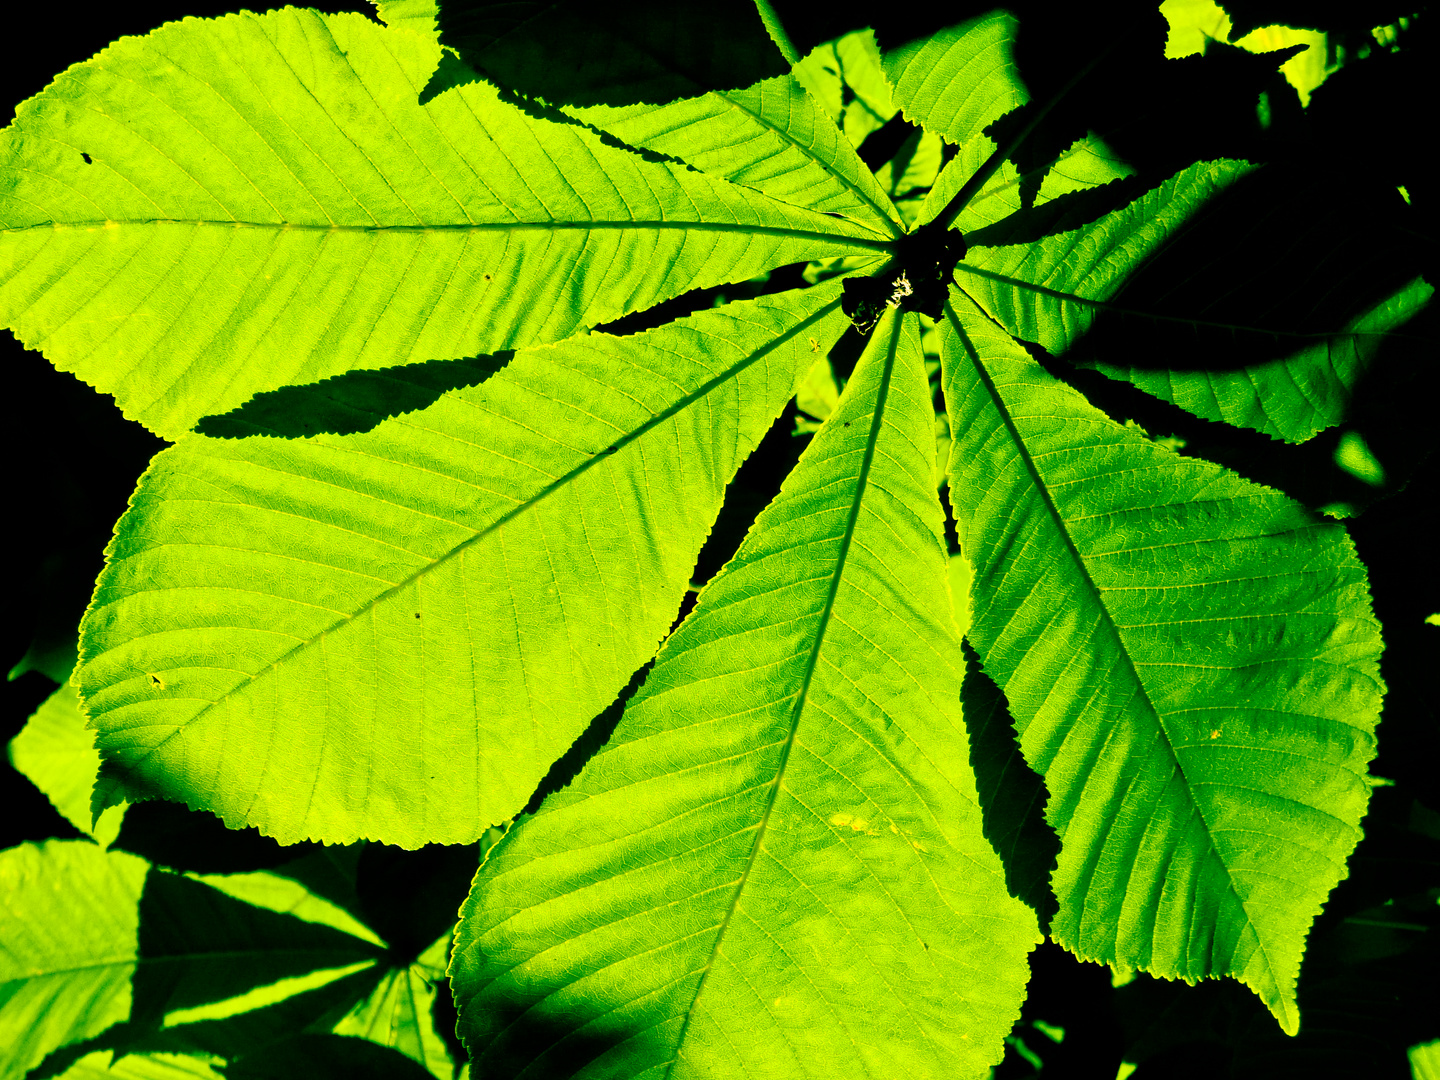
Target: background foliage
[[360, 947]]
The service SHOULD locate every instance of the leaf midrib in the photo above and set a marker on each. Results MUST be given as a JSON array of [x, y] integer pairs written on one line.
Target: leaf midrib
[[811, 662], [1183, 320], [684, 402], [992, 392], [876, 244], [895, 230]]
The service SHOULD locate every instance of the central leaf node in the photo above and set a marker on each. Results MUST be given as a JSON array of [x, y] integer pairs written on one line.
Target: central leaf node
[[916, 279]]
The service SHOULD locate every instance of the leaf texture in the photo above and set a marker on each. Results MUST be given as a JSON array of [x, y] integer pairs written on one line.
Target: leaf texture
[[229, 206], [789, 786], [393, 634], [1191, 662], [956, 82], [772, 137]]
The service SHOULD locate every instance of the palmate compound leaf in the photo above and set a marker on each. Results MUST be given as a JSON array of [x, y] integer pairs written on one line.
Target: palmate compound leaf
[[1191, 662], [229, 206], [393, 634], [100, 945], [775, 867]]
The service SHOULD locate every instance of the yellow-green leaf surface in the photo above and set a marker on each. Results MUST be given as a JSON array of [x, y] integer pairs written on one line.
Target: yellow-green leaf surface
[[1191, 662], [775, 867], [101, 946], [229, 206], [392, 634], [275, 892], [57, 752], [68, 930]]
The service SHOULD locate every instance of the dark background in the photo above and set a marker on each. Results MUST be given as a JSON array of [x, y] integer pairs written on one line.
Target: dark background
[[1368, 989]]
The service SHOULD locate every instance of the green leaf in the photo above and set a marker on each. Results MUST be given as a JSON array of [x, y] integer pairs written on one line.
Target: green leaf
[[453, 595], [416, 16], [399, 1012], [68, 932], [276, 892], [295, 213], [956, 82], [57, 752], [1191, 662], [772, 137], [103, 951], [326, 1057], [776, 863], [845, 76], [1298, 393]]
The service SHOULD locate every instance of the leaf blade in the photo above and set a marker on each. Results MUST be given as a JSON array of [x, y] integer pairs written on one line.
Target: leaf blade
[[1130, 702]]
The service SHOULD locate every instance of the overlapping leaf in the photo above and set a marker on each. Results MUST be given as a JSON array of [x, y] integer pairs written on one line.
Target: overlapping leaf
[[958, 81], [772, 136], [1192, 666], [228, 206], [57, 753], [392, 634], [789, 787], [100, 946], [68, 925]]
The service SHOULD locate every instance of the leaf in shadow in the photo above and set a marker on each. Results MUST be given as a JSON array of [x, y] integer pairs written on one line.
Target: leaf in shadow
[[574, 53], [355, 402], [327, 1057], [1301, 264], [1012, 797], [410, 898], [1069, 211], [173, 835], [247, 1032], [197, 945]]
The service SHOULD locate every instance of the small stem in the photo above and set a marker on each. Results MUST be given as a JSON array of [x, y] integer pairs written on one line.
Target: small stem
[[982, 175], [777, 32]]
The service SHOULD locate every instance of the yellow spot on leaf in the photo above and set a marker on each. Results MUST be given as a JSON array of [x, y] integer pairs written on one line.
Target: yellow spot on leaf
[[1215, 734], [814, 345], [840, 820]]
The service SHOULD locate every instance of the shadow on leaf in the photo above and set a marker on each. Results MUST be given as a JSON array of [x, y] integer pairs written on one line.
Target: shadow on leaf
[[1012, 797], [352, 403], [573, 53]]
